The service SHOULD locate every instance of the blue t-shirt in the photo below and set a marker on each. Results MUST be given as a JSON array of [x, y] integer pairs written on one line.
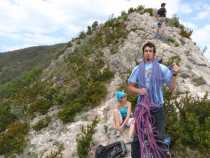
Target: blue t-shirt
[[134, 78]]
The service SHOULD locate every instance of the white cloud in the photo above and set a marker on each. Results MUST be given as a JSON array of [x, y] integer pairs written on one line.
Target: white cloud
[[185, 8], [202, 15], [203, 11], [40, 22], [201, 36]]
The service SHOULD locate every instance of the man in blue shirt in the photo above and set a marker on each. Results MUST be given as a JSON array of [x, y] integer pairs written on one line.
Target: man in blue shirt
[[148, 78]]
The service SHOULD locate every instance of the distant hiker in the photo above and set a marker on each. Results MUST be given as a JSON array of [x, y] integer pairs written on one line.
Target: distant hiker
[[161, 18], [162, 11], [122, 112], [147, 80]]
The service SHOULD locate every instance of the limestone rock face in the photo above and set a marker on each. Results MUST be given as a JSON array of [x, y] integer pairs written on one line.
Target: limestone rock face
[[194, 77]]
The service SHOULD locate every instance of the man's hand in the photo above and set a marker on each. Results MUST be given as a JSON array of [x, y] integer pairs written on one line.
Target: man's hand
[[175, 68], [143, 91]]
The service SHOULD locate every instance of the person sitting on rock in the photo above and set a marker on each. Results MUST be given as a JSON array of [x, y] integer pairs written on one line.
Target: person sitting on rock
[[122, 113]]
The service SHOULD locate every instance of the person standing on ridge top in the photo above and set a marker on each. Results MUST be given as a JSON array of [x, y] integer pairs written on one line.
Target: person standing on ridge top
[[161, 17]]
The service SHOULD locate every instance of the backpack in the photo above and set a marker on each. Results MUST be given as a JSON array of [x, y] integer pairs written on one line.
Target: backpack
[[114, 150]]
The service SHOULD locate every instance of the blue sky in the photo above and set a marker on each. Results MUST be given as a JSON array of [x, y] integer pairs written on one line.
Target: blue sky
[[27, 23]]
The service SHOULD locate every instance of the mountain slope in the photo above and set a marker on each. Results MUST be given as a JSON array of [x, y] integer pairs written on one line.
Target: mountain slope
[[15, 63]]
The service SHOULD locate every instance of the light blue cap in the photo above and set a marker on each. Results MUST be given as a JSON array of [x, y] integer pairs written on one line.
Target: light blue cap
[[119, 95]]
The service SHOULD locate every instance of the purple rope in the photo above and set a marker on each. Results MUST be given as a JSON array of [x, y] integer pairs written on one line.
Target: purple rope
[[156, 82], [146, 131]]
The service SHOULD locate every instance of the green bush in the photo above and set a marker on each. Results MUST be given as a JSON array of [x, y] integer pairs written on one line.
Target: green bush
[[185, 32], [124, 15], [82, 35], [6, 117], [131, 10], [40, 105], [172, 40], [68, 113], [41, 123], [140, 8], [174, 22], [94, 25], [91, 76], [149, 10], [9, 89], [188, 122], [84, 139], [174, 59], [13, 139], [104, 75], [89, 30]]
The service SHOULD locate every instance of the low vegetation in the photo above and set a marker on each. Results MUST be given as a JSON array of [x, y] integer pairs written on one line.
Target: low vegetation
[[84, 139]]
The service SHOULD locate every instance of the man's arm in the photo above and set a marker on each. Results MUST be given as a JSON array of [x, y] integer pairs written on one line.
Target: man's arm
[[175, 69], [172, 86], [133, 89], [170, 75]]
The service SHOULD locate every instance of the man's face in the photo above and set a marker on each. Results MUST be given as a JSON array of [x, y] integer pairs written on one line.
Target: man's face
[[149, 54]]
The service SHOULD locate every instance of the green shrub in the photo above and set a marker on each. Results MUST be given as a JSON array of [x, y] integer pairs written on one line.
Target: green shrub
[[140, 9], [189, 126], [174, 59], [82, 35], [94, 25], [131, 10], [40, 105], [84, 139], [95, 93], [185, 32], [41, 123], [13, 139], [124, 15], [89, 30], [149, 10], [68, 113], [11, 88], [174, 22], [172, 40], [91, 76], [6, 117]]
